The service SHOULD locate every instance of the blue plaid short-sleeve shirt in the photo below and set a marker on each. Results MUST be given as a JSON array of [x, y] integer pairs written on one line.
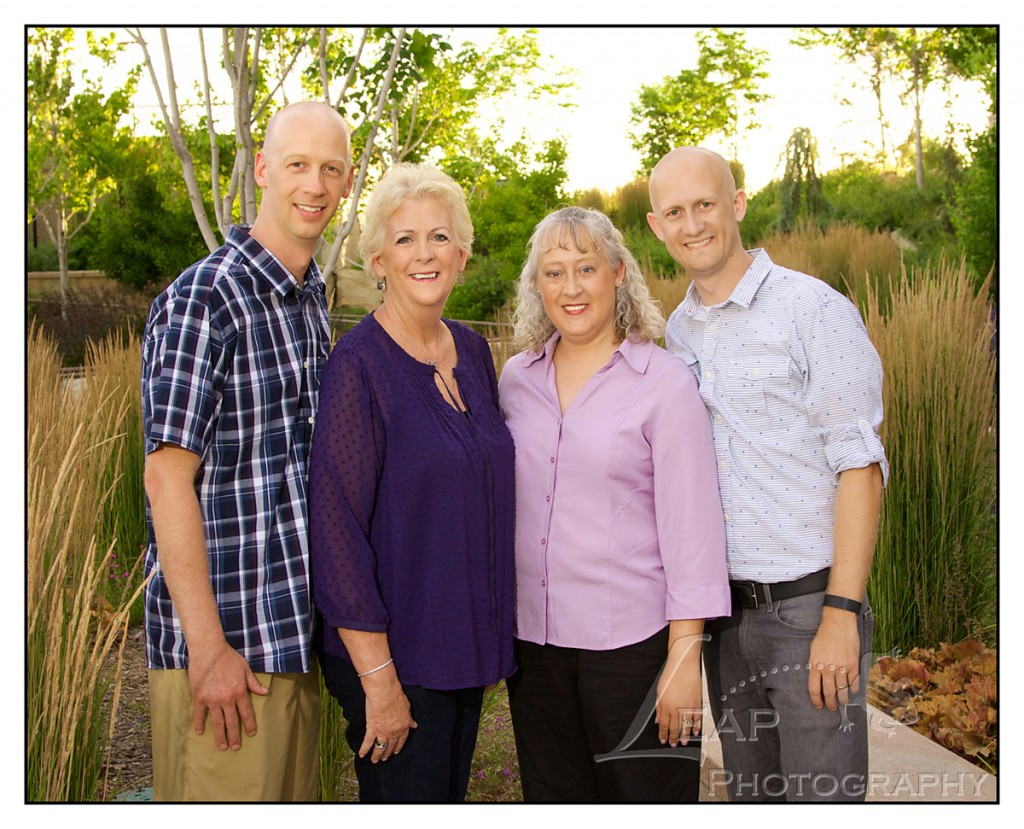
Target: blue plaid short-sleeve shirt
[[230, 371]]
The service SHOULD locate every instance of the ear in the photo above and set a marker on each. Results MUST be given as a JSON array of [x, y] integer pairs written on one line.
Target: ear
[[653, 222], [739, 205], [259, 171], [620, 274], [351, 179], [374, 263], [463, 258]]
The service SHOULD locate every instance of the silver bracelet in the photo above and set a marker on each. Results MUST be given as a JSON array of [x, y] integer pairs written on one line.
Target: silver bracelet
[[374, 670]]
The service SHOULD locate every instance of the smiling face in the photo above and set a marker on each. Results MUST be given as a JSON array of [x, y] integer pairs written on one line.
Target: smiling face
[[421, 258], [577, 288], [304, 170], [696, 213]]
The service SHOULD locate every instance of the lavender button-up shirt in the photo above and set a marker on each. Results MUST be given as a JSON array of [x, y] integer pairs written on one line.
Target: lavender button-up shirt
[[619, 525]]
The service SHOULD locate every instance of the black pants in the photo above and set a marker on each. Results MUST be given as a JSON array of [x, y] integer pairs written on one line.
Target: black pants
[[569, 705], [434, 764]]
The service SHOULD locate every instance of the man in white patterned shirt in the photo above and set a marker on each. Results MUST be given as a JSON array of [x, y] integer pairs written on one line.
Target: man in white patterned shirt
[[230, 380], [793, 386]]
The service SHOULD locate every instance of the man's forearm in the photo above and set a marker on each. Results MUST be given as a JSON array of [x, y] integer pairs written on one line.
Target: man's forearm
[[177, 523], [858, 506]]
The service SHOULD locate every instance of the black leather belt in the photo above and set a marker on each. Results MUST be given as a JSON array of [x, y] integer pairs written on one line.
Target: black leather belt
[[752, 594]]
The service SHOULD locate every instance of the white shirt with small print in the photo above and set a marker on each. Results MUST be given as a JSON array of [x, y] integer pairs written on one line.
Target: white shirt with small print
[[794, 388]]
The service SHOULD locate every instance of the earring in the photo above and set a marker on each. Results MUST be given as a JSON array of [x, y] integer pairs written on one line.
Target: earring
[[381, 283], [461, 279]]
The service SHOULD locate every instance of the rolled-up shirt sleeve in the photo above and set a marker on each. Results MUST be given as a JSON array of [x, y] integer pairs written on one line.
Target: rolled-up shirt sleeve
[[345, 467], [843, 386], [688, 507]]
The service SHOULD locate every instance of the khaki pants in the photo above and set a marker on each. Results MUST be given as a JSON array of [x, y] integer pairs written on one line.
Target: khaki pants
[[281, 763]]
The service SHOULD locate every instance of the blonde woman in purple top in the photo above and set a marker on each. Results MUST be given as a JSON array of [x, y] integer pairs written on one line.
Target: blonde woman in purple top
[[620, 542]]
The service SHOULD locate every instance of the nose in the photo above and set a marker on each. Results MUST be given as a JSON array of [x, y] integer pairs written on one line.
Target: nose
[[423, 250], [693, 224], [314, 182], [571, 286]]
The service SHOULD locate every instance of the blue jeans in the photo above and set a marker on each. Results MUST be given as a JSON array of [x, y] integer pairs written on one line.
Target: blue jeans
[[776, 746], [434, 764]]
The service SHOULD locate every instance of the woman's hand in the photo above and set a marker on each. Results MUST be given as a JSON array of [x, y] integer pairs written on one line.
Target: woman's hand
[[388, 716], [678, 712]]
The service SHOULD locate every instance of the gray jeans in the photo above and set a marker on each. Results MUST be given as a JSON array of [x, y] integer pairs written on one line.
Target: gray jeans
[[776, 746]]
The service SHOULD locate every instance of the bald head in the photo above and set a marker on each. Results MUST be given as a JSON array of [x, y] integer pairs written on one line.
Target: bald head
[[685, 161], [302, 116]]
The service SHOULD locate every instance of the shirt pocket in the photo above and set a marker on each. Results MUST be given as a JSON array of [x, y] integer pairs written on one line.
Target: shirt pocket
[[755, 388]]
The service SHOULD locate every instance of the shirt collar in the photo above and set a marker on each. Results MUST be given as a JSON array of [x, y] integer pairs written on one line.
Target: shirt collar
[[743, 293], [269, 266], [636, 353]]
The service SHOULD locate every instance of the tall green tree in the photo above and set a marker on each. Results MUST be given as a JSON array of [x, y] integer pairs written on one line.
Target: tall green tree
[[712, 99], [75, 140], [800, 196]]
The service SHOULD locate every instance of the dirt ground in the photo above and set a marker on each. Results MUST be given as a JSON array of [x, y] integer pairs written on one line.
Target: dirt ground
[[130, 760]]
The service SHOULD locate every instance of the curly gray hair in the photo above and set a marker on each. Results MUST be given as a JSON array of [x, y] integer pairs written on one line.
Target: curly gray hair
[[412, 181], [637, 315]]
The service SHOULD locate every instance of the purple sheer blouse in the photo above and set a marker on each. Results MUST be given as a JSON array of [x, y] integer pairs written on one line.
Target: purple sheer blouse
[[412, 510]]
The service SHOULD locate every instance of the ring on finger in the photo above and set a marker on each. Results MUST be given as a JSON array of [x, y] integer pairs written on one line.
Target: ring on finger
[[380, 745]]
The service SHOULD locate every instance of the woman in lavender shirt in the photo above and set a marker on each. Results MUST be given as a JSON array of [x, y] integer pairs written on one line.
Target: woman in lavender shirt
[[411, 507], [620, 541]]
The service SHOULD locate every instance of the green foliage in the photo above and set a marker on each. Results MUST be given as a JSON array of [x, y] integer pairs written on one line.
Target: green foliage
[[145, 234], [75, 145], [489, 284], [762, 214], [698, 103], [973, 53], [861, 194], [976, 206], [935, 561]]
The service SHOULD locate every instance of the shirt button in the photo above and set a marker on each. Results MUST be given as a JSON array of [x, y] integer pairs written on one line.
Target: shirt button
[[709, 375], [723, 466], [862, 422], [757, 372], [725, 516], [713, 326], [551, 459], [543, 583], [312, 420], [547, 498], [543, 541], [305, 363], [717, 416]]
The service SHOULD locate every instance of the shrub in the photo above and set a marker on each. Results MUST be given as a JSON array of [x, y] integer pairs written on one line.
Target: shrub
[[976, 208]]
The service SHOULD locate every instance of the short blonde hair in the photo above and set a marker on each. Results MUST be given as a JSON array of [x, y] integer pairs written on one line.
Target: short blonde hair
[[412, 181], [636, 313]]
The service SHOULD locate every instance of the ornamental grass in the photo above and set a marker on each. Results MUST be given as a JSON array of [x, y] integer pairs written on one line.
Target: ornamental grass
[[74, 620], [933, 578]]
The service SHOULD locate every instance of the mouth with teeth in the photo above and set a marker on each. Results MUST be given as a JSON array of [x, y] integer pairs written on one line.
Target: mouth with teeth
[[310, 209], [574, 310], [425, 277], [703, 243]]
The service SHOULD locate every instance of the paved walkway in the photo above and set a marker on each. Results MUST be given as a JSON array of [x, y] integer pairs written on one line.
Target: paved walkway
[[904, 766]]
